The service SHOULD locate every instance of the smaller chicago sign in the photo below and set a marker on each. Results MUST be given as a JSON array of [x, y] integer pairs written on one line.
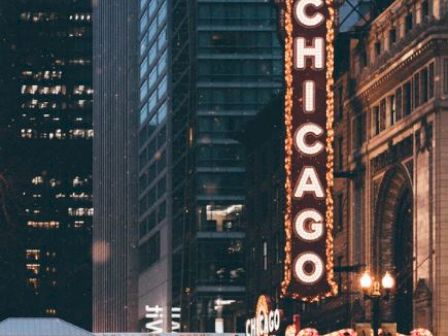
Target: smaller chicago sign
[[267, 320], [308, 273]]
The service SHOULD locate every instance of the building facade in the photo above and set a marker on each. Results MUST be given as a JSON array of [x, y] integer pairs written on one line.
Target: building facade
[[227, 63], [205, 68], [390, 186], [115, 263], [47, 152], [393, 116], [154, 180]]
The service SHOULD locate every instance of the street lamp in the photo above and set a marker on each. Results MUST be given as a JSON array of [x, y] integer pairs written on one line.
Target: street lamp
[[375, 291]]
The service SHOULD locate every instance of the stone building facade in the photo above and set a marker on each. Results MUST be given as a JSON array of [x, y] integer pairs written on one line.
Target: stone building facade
[[391, 141]]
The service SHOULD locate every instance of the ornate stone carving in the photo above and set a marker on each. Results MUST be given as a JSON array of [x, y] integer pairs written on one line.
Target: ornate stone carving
[[393, 155]]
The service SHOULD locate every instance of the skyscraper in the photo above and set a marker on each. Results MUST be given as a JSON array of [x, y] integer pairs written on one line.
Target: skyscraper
[[46, 152], [224, 63], [114, 168]]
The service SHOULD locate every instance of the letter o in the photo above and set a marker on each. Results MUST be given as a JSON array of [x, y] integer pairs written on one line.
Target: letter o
[[277, 320], [308, 277]]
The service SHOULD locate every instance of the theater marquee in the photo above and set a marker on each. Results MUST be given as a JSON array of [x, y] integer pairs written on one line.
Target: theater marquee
[[309, 55]]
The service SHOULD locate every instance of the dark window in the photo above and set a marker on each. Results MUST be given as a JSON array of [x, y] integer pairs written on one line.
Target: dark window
[[377, 119], [399, 103], [409, 23], [149, 252], [445, 75], [340, 153], [416, 90], [340, 102], [363, 58], [425, 8], [407, 98], [392, 36], [424, 85], [383, 113], [377, 48], [360, 130], [431, 79], [393, 109]]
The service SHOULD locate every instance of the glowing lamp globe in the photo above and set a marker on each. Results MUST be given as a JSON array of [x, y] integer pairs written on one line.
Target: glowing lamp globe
[[388, 282], [366, 281]]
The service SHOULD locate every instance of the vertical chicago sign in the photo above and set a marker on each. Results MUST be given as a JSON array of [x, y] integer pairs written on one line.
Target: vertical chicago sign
[[309, 55]]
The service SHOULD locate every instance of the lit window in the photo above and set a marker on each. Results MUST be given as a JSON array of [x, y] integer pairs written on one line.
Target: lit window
[[265, 255], [78, 224], [43, 224], [33, 268], [33, 282], [37, 180], [32, 254], [50, 311]]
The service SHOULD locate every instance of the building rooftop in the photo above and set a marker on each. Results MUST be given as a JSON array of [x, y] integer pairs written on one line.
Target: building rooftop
[[40, 327]]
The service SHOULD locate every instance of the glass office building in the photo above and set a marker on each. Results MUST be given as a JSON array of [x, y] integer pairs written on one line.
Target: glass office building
[[234, 67], [224, 64], [153, 153]]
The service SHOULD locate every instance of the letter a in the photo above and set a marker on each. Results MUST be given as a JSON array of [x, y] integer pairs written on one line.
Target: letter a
[[308, 182]]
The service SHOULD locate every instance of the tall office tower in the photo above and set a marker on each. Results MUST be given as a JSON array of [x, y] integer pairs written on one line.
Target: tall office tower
[[47, 152], [114, 166], [205, 68], [154, 154], [226, 63]]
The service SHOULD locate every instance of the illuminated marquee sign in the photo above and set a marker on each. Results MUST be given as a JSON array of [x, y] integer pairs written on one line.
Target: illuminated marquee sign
[[308, 273], [266, 321]]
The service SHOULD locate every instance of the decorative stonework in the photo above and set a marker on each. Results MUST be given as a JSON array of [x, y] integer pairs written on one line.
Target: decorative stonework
[[395, 154], [390, 190], [423, 302]]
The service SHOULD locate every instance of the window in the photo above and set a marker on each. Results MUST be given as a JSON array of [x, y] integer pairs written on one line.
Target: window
[[409, 22], [425, 8], [143, 3], [383, 114], [392, 36], [340, 102], [360, 130], [431, 79], [424, 85], [378, 48], [149, 252], [407, 98], [219, 217], [143, 22], [143, 90], [33, 254], [399, 103], [393, 109], [265, 255], [340, 153], [416, 90], [376, 119], [363, 58]]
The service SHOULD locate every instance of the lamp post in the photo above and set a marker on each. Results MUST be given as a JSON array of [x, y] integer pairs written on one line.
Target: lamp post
[[375, 291]]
